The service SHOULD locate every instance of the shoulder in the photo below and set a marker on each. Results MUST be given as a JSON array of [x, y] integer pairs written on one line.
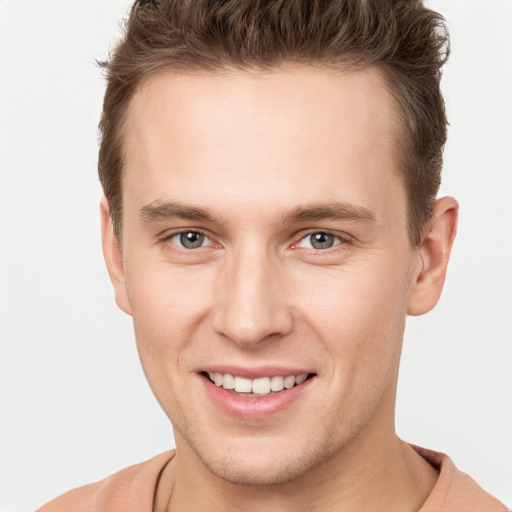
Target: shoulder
[[456, 491], [132, 488]]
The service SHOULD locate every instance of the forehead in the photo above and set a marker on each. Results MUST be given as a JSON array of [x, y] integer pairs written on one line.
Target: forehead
[[316, 134]]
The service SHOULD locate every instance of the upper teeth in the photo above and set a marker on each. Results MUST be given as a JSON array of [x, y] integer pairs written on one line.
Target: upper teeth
[[261, 386]]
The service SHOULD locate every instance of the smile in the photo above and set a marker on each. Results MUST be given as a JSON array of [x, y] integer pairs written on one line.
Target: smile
[[256, 394], [259, 387]]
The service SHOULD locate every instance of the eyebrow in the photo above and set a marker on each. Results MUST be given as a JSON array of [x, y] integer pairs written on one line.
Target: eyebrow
[[337, 211], [158, 210]]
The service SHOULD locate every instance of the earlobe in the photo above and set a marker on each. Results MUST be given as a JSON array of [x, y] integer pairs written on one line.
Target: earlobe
[[433, 256], [113, 258]]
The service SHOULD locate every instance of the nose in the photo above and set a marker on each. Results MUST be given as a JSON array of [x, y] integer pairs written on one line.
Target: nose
[[252, 301]]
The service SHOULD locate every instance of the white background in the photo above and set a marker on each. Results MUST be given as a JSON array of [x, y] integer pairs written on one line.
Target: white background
[[74, 405]]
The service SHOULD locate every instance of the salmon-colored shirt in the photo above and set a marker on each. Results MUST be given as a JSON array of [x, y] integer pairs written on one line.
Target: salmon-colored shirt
[[133, 490]]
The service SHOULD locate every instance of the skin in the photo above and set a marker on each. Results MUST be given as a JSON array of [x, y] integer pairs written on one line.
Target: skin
[[252, 148]]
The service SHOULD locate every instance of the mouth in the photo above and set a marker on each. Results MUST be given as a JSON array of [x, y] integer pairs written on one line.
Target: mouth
[[246, 398], [256, 388]]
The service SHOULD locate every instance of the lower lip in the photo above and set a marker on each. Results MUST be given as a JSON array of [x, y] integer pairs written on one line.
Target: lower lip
[[253, 408]]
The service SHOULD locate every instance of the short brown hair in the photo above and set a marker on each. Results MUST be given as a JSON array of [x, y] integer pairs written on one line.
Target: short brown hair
[[403, 39]]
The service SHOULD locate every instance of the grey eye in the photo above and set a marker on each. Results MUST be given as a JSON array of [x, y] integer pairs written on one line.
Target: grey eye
[[320, 240], [191, 239]]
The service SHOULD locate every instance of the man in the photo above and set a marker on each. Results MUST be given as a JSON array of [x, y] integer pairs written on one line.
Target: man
[[270, 172]]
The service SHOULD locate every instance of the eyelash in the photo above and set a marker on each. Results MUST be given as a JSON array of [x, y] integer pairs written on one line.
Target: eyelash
[[343, 240], [170, 236]]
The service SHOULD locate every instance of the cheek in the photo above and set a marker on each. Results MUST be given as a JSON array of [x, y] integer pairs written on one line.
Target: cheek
[[360, 318], [166, 303], [361, 321], [167, 310]]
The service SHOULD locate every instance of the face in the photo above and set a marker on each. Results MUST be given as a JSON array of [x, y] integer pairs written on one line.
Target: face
[[265, 242]]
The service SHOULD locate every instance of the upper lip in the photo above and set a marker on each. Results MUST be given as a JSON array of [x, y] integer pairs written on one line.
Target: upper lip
[[256, 372]]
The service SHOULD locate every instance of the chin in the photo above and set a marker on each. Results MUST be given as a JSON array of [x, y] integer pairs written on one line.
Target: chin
[[260, 465], [243, 471]]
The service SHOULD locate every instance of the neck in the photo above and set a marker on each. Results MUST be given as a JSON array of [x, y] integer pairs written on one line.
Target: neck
[[385, 476]]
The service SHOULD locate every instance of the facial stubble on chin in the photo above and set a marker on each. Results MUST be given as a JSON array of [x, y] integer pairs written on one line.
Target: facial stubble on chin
[[237, 467]]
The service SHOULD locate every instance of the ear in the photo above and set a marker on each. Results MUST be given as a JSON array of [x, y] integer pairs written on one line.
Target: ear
[[113, 257], [433, 256]]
